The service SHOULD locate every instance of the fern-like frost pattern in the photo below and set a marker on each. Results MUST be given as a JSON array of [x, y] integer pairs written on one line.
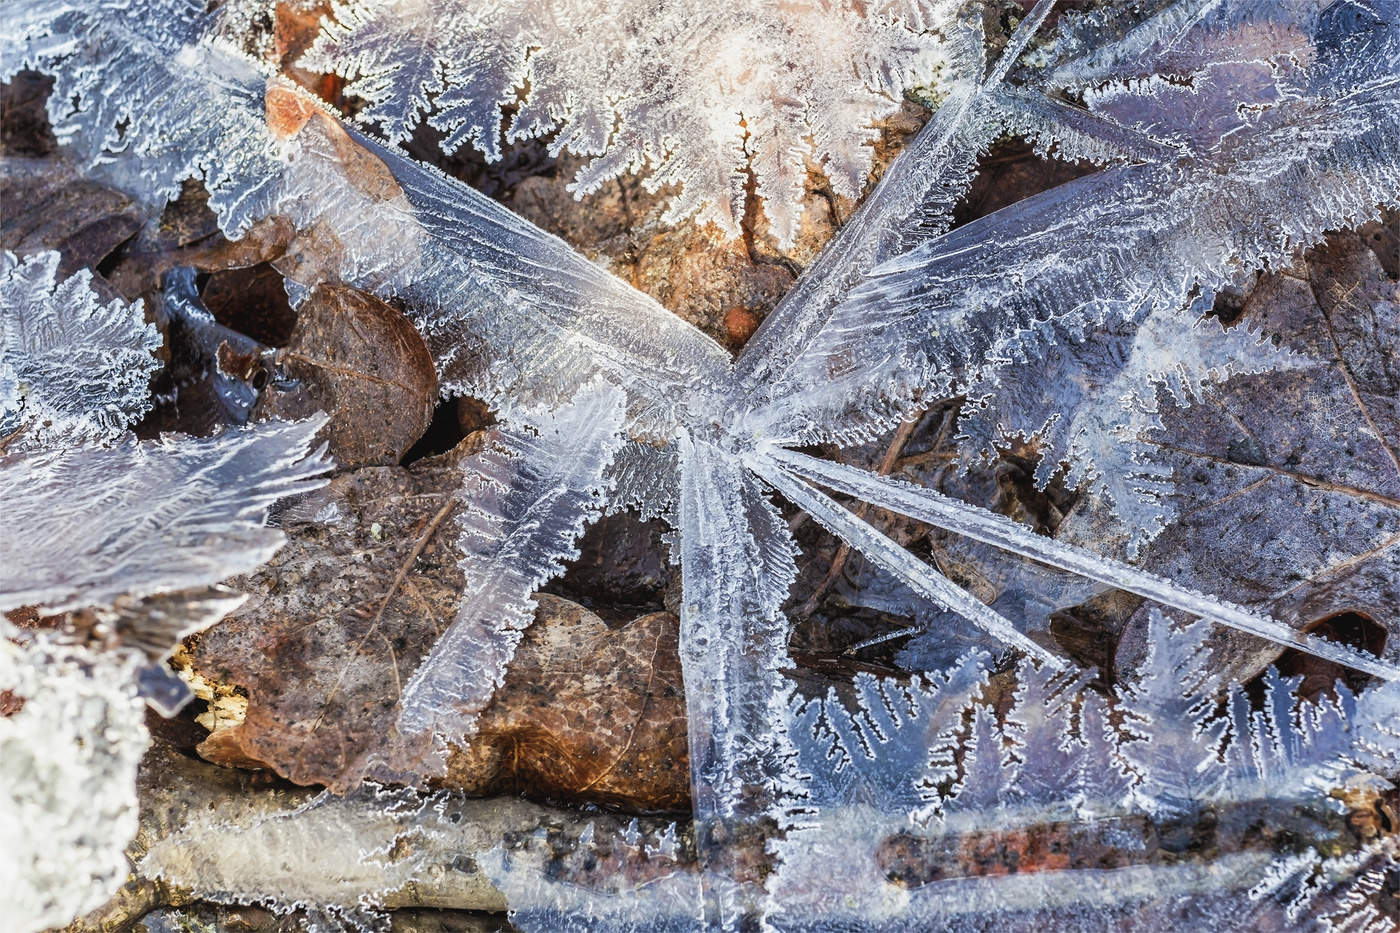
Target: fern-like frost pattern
[[524, 502], [73, 368], [172, 514], [695, 94], [1229, 135]]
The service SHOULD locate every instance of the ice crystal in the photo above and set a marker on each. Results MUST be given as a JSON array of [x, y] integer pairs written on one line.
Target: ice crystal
[[170, 129], [173, 513], [1094, 399], [73, 368], [699, 95], [1309, 151], [525, 499]]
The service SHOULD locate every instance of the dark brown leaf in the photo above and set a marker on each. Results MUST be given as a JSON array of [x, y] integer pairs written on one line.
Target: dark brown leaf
[[362, 362], [586, 712], [48, 207]]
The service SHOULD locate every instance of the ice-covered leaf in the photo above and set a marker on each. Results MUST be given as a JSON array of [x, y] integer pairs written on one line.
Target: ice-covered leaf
[[1304, 460], [697, 95], [73, 368], [90, 525], [1232, 134], [525, 502]]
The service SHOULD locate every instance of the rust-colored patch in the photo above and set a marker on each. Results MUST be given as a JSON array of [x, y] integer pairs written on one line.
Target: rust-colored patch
[[739, 325], [287, 110], [586, 712], [10, 703], [295, 26]]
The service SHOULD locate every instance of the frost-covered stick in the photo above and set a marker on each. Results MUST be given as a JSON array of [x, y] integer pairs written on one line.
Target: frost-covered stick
[[913, 199], [913, 572], [927, 505]]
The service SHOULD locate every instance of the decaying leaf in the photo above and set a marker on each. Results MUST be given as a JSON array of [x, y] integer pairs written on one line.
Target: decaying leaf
[[340, 616], [358, 359], [1303, 460]]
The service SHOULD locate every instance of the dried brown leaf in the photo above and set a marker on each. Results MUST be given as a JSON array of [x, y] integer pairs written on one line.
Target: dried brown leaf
[[362, 362]]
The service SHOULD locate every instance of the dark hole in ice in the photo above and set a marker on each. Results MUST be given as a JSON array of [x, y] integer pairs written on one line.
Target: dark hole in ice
[[252, 301], [1355, 629], [444, 432]]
